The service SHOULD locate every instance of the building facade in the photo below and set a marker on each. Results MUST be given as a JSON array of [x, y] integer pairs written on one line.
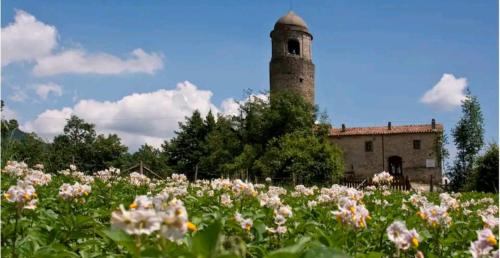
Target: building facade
[[408, 150]]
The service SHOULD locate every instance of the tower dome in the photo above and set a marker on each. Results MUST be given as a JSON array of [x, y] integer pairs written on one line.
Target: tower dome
[[291, 20]]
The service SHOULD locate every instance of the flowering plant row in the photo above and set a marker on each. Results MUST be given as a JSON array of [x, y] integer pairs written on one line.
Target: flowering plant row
[[110, 214]]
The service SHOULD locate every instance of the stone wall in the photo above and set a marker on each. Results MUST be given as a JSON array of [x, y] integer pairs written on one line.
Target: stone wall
[[292, 74], [363, 163], [289, 72]]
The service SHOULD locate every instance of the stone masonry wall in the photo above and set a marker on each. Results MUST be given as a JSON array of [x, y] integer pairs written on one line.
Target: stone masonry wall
[[363, 163]]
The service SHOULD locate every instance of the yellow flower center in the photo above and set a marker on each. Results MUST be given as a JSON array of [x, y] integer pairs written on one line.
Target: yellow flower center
[[133, 205], [7, 195], [414, 241], [26, 196], [192, 227], [491, 240]]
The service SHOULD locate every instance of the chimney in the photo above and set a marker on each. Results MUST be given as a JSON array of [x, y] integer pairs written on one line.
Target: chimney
[[343, 127], [433, 124], [389, 126]]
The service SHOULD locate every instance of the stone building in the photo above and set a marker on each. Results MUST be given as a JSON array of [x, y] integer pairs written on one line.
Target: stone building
[[291, 67], [408, 150]]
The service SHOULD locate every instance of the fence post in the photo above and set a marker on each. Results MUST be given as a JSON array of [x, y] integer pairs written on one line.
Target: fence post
[[431, 185]]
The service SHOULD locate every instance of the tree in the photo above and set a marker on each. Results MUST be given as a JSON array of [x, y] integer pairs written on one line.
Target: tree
[[485, 176], [20, 146], [185, 150], [152, 158], [107, 151], [468, 138], [80, 145], [221, 146], [302, 158]]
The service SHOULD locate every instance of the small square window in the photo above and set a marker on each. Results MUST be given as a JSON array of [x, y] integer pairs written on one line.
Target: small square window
[[416, 144], [368, 146]]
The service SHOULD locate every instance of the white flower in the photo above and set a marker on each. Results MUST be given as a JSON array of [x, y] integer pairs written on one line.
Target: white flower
[[138, 179], [312, 204], [285, 211], [225, 200], [490, 221], [279, 219], [278, 230], [246, 224], [435, 215], [136, 222], [174, 221], [401, 236], [142, 202], [199, 193], [67, 191], [15, 168], [23, 194], [485, 242], [382, 178]]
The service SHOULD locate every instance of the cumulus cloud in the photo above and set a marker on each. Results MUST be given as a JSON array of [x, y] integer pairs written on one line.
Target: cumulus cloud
[[27, 39], [447, 94], [80, 62], [137, 118], [43, 90]]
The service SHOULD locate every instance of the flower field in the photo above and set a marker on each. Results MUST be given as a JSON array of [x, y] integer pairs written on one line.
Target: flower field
[[107, 214]]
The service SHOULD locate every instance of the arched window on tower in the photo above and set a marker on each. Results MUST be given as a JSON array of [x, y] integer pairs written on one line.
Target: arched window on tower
[[293, 47]]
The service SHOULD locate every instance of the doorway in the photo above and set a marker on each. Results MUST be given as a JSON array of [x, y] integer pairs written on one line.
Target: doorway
[[395, 165]]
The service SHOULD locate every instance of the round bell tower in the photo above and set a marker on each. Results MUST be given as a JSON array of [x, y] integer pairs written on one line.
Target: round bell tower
[[291, 66]]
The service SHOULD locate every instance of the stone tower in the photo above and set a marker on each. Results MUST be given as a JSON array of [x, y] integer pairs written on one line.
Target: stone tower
[[291, 66]]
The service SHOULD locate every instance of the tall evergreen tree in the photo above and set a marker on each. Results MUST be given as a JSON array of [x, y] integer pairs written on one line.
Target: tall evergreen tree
[[468, 138]]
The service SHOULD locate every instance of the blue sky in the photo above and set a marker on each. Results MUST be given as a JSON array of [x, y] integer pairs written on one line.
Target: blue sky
[[374, 61]]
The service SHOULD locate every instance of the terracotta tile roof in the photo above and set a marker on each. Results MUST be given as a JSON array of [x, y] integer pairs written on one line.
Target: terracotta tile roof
[[401, 129]]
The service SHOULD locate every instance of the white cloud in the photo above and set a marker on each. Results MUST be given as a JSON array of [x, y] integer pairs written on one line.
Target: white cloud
[[80, 62], [27, 39], [137, 118], [447, 94], [43, 90], [18, 95]]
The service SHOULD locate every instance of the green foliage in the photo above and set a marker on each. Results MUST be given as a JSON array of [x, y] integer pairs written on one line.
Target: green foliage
[[303, 158], [468, 138], [485, 175]]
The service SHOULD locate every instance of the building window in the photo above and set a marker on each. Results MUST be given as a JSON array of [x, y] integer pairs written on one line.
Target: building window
[[301, 80], [293, 47], [368, 146], [416, 144]]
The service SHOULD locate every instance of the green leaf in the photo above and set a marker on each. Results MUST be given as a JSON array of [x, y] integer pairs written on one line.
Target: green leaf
[[291, 250], [324, 252], [205, 241], [121, 238]]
